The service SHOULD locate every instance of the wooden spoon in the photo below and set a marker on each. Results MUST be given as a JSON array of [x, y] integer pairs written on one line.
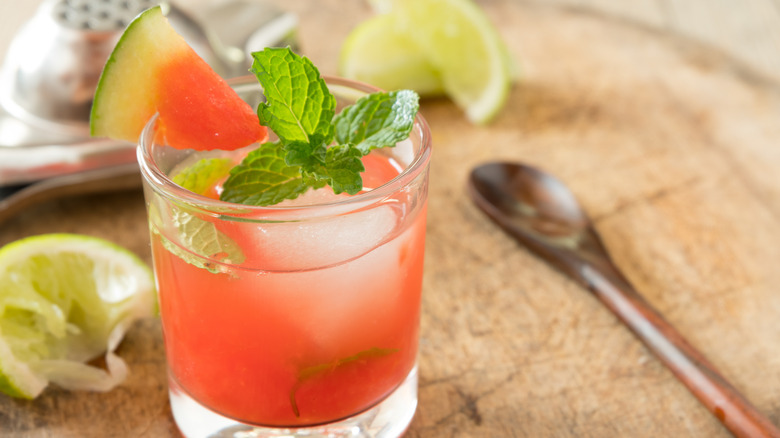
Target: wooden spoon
[[541, 213]]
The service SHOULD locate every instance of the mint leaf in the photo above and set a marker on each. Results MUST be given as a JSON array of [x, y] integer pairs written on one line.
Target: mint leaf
[[303, 154], [204, 239], [377, 120], [371, 353], [264, 178], [203, 175], [299, 107], [200, 239], [341, 169], [311, 372]]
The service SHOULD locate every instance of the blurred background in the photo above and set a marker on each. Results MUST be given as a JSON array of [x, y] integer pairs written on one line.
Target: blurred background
[[748, 30]]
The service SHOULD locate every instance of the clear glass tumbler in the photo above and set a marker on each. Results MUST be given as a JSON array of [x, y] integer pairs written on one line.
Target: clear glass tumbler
[[299, 319]]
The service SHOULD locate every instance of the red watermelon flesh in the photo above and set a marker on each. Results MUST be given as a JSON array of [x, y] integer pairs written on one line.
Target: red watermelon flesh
[[199, 110], [153, 70]]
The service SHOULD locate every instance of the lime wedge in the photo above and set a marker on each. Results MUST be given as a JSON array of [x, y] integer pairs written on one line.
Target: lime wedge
[[380, 53], [66, 299], [429, 45], [203, 176]]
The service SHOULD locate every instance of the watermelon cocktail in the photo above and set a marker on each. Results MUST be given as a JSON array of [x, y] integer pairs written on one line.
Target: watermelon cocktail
[[298, 314], [287, 218]]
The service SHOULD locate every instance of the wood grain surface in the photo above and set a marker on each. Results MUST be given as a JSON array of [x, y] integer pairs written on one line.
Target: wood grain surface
[[673, 150]]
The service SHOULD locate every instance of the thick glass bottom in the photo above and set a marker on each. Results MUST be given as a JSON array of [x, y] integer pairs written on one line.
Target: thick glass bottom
[[388, 419]]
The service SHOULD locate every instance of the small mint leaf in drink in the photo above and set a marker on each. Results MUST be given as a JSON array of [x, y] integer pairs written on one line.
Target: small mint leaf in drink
[[202, 242], [264, 178], [203, 175], [314, 371], [377, 120], [298, 107], [372, 353]]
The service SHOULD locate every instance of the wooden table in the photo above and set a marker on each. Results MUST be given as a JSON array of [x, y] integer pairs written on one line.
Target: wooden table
[[672, 146]]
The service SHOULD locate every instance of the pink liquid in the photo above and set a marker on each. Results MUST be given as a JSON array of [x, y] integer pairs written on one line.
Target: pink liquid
[[281, 347]]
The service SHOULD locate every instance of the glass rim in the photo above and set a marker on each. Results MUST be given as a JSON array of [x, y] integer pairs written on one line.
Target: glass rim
[[165, 185]]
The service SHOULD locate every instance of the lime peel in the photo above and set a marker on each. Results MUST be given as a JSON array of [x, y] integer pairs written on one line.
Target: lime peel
[[16, 377], [66, 299]]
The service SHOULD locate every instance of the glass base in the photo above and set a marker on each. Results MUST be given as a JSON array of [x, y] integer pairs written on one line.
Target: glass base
[[388, 419]]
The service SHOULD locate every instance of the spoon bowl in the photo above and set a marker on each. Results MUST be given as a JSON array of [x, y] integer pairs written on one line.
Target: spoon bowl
[[530, 198], [540, 212]]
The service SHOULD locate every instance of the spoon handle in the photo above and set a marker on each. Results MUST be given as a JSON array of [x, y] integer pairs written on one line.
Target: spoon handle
[[736, 413]]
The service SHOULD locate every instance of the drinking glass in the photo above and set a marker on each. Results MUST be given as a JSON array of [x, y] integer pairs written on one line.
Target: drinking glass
[[298, 319]]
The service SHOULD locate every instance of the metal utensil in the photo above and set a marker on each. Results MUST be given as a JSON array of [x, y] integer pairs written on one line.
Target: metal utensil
[[15, 199], [53, 64], [49, 75], [48, 78], [541, 213]]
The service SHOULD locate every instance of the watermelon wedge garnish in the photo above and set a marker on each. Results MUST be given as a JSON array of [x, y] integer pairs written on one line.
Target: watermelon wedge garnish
[[153, 70]]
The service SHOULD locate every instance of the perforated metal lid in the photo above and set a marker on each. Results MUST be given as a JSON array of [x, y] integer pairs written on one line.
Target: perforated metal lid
[[99, 15]]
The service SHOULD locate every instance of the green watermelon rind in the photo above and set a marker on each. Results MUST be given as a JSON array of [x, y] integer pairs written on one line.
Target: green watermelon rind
[[124, 97]]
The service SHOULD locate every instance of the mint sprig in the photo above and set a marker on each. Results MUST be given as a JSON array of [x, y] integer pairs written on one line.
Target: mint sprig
[[300, 110]]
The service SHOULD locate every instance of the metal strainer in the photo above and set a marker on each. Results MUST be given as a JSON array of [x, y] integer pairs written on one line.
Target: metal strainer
[[53, 64]]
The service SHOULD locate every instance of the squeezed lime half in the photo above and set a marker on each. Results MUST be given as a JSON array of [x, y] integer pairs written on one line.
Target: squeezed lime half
[[66, 299]]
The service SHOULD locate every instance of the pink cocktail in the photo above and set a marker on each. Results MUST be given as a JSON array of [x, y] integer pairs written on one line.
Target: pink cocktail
[[300, 316]]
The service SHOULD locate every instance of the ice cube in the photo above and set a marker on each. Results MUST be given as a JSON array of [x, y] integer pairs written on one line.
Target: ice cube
[[323, 242], [403, 152]]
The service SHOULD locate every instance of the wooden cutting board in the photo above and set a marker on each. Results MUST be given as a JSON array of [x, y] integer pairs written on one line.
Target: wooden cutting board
[[672, 148]]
